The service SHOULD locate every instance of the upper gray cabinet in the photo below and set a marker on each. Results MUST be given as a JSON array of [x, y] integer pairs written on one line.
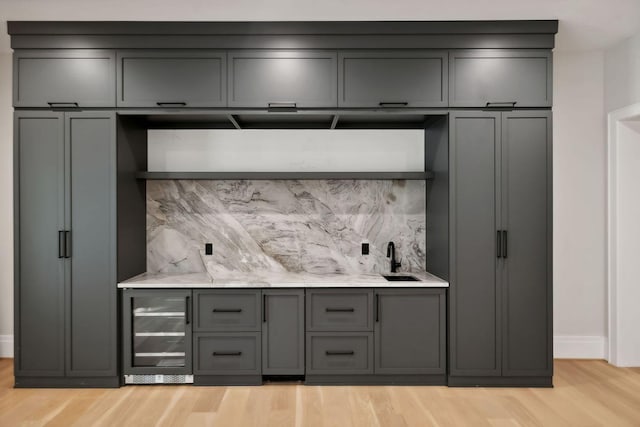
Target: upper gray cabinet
[[172, 78], [413, 78], [481, 78], [275, 78], [64, 78]]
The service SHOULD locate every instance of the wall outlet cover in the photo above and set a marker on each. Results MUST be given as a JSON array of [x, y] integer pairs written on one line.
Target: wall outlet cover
[[365, 249], [208, 248]]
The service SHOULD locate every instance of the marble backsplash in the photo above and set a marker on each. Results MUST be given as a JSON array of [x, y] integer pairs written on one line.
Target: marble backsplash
[[284, 226]]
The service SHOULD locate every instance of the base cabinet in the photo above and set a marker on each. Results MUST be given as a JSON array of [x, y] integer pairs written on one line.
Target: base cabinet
[[283, 332]]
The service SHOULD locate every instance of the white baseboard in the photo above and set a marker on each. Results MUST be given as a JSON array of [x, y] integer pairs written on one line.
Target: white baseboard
[[6, 345], [579, 347]]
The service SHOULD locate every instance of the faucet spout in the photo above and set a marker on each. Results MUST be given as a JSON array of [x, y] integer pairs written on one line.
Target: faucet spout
[[391, 253]]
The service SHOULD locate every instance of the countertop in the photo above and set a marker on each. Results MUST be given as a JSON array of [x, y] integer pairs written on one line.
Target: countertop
[[279, 280]]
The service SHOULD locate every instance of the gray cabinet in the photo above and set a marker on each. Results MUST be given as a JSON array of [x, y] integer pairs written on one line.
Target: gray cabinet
[[222, 353], [65, 246], [343, 353], [339, 309], [378, 78], [224, 310], [480, 78], [172, 78], [500, 306], [283, 332], [410, 331], [275, 78], [156, 325], [65, 78]]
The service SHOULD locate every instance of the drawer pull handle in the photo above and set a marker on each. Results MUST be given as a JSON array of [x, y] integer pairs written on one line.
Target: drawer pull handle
[[171, 104], [339, 310], [63, 104], [227, 353], [282, 106], [501, 104], [340, 353], [393, 104], [227, 310]]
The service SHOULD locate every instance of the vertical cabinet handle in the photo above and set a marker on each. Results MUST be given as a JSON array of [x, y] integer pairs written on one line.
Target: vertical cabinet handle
[[504, 243], [377, 307], [187, 310], [67, 244], [499, 243], [264, 308], [60, 244]]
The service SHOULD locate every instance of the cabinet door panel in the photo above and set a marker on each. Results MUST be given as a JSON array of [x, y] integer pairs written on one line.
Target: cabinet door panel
[[306, 78], [475, 315], [481, 76], [170, 78], [283, 332], [526, 154], [417, 78], [410, 332], [64, 76], [39, 215], [92, 349]]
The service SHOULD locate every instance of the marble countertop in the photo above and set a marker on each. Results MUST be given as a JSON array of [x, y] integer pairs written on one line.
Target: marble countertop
[[279, 280]]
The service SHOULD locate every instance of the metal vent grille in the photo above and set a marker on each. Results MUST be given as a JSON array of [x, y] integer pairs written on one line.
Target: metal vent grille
[[158, 379]]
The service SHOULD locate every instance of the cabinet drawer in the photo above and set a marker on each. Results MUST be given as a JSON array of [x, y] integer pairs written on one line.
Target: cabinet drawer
[[303, 78], [82, 78], [339, 353], [478, 77], [227, 353], [228, 310], [167, 78], [339, 310], [414, 78]]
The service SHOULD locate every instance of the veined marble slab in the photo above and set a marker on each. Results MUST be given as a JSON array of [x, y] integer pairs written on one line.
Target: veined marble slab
[[284, 226], [280, 280]]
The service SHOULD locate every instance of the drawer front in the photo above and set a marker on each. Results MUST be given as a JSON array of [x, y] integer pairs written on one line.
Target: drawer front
[[393, 79], [260, 78], [228, 310], [344, 353], [172, 78], [64, 78], [478, 77], [339, 310], [227, 354]]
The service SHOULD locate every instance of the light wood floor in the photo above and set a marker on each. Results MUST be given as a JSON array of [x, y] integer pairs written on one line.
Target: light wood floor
[[586, 393]]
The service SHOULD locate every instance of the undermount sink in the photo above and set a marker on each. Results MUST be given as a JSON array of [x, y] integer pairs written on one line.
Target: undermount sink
[[400, 278]]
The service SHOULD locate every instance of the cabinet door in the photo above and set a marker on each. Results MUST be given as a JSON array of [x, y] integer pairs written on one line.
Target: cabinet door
[[526, 217], [474, 294], [391, 78], [410, 332], [168, 78], [478, 77], [39, 266], [91, 295], [283, 332], [268, 78], [157, 331], [65, 77]]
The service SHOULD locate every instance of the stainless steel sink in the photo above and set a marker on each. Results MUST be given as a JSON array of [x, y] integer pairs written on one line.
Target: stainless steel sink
[[400, 278]]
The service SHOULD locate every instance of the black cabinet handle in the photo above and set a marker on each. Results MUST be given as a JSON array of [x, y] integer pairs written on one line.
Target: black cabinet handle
[[67, 244], [171, 104], [264, 308], [504, 243], [227, 310], [499, 243], [339, 352], [227, 353], [63, 104], [501, 104], [282, 105], [60, 244], [393, 104], [187, 310], [339, 310], [377, 307]]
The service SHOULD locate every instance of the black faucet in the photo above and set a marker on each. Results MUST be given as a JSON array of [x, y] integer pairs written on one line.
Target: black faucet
[[391, 252]]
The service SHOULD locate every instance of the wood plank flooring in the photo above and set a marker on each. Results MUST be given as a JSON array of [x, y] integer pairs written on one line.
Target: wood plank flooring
[[586, 393]]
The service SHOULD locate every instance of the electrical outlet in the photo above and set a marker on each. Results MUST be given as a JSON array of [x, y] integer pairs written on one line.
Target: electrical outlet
[[365, 249], [208, 248]]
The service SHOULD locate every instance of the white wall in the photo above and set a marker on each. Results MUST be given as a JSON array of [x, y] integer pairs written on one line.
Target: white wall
[[622, 74], [579, 204]]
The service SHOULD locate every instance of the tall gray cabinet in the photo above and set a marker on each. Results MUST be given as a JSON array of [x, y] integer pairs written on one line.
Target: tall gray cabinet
[[65, 249], [500, 274]]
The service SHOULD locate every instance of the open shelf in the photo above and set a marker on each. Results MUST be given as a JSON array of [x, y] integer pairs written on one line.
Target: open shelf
[[285, 175]]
